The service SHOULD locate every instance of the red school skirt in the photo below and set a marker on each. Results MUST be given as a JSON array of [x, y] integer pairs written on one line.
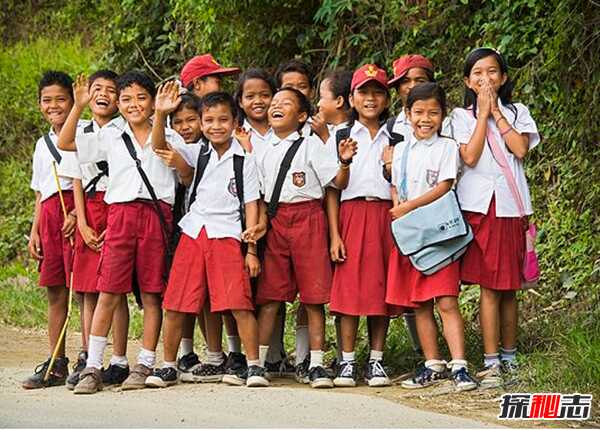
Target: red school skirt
[[56, 249], [407, 287], [86, 260], [359, 283], [494, 258]]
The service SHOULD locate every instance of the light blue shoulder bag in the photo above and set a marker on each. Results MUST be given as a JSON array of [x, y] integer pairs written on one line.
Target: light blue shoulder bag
[[434, 235]]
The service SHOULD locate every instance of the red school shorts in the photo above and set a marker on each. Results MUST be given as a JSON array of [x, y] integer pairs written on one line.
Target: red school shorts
[[213, 265], [86, 260], [407, 287], [359, 283], [56, 249], [494, 259], [134, 240], [296, 256]]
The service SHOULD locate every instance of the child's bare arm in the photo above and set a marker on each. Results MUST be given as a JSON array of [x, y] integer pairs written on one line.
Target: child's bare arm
[[471, 152], [402, 208], [254, 233], [89, 235], [346, 150], [35, 244], [66, 137], [337, 249], [252, 262]]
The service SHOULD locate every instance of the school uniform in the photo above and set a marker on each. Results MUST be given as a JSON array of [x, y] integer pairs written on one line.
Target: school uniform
[[429, 163], [209, 259], [296, 259], [332, 144], [359, 283], [403, 126], [495, 257], [257, 139], [134, 237], [56, 249]]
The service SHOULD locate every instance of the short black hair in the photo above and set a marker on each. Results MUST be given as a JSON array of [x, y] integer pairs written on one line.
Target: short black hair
[[218, 98], [55, 77], [127, 79], [188, 101], [303, 102], [103, 74], [426, 91], [339, 84], [294, 65]]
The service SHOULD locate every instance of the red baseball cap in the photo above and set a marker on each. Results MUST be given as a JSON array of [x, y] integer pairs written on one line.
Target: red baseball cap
[[367, 73], [204, 65], [403, 64]]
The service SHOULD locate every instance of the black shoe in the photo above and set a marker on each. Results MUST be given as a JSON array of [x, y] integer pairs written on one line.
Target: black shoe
[[302, 370], [346, 374], [188, 362], [463, 380], [208, 373], [424, 377], [319, 378], [114, 374], [73, 378], [255, 377], [375, 375], [58, 375], [236, 362], [280, 369], [162, 378]]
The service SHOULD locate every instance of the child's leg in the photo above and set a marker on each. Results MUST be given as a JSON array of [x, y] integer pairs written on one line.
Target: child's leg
[[172, 332], [276, 348], [348, 327], [201, 324], [302, 334], [214, 330], [58, 300], [338, 338], [89, 301], [103, 315], [80, 302], [187, 339], [509, 318], [454, 330], [427, 330], [489, 318], [266, 322], [233, 337], [120, 329], [152, 321], [379, 326], [248, 332], [317, 375]]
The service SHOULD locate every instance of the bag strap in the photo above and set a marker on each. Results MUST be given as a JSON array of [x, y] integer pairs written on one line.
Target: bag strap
[[403, 187], [55, 154], [286, 163], [395, 138], [90, 188], [201, 164], [89, 128], [238, 172], [508, 175]]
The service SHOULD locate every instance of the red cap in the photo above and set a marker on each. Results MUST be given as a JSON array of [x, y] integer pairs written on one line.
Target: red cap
[[403, 64], [204, 65], [367, 73]]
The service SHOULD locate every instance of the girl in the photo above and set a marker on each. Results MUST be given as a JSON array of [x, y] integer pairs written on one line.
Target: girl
[[495, 257], [431, 170], [359, 280]]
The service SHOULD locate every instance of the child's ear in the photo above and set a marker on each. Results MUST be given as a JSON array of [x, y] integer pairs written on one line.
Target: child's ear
[[339, 102], [504, 78], [407, 112], [467, 81], [351, 100], [303, 117]]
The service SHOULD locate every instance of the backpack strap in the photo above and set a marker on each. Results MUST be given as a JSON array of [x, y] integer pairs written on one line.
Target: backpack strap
[[238, 172], [286, 163], [89, 128], [55, 154], [201, 164], [90, 188], [395, 138]]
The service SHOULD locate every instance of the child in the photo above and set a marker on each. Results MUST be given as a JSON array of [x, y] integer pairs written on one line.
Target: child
[[50, 232], [202, 74], [431, 169], [209, 258], [137, 232], [494, 260], [296, 245], [359, 281], [89, 184]]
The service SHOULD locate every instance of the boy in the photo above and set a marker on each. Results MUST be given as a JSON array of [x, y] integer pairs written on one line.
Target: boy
[[50, 232], [209, 256], [140, 194], [90, 182]]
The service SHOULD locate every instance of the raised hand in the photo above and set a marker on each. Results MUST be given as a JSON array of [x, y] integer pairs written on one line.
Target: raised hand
[[484, 101], [81, 91], [243, 137], [167, 98], [347, 149], [319, 126]]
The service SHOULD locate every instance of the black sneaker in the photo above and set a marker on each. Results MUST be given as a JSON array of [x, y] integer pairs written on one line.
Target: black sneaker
[[302, 370], [463, 381], [280, 369], [73, 378], [346, 374], [237, 369], [162, 378], [58, 375], [209, 372], [510, 372], [375, 375], [333, 368], [188, 362], [424, 377], [114, 374], [319, 378], [255, 377]]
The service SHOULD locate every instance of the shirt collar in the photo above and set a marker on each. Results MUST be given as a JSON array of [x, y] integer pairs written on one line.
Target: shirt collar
[[401, 118], [427, 142], [274, 140], [248, 126], [359, 127], [234, 149]]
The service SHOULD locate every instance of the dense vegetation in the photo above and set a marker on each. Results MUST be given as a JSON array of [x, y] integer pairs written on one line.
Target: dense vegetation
[[553, 48]]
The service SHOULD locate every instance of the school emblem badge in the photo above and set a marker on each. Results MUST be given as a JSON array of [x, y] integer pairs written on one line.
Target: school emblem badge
[[299, 179], [371, 71], [432, 177], [232, 188]]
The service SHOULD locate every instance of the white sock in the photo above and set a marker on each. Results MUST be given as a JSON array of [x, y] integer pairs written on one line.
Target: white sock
[[456, 365], [253, 362], [275, 353], [234, 344], [348, 356], [490, 360], [302, 346], [376, 355], [119, 360], [338, 339], [186, 346], [316, 359], [436, 365], [214, 358], [172, 364], [509, 354], [96, 346], [147, 358], [262, 354]]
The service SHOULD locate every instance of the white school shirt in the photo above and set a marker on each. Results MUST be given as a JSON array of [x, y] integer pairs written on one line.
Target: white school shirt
[[403, 126], [42, 178], [312, 168], [257, 139], [366, 170], [125, 183], [217, 206], [430, 161], [331, 142], [479, 184]]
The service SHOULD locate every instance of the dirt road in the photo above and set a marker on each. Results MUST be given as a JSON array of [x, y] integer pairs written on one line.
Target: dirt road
[[201, 405]]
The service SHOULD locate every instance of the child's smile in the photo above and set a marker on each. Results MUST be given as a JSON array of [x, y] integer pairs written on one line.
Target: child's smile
[[426, 118]]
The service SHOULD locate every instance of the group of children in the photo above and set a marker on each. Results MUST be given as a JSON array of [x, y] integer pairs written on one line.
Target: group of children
[[222, 209]]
